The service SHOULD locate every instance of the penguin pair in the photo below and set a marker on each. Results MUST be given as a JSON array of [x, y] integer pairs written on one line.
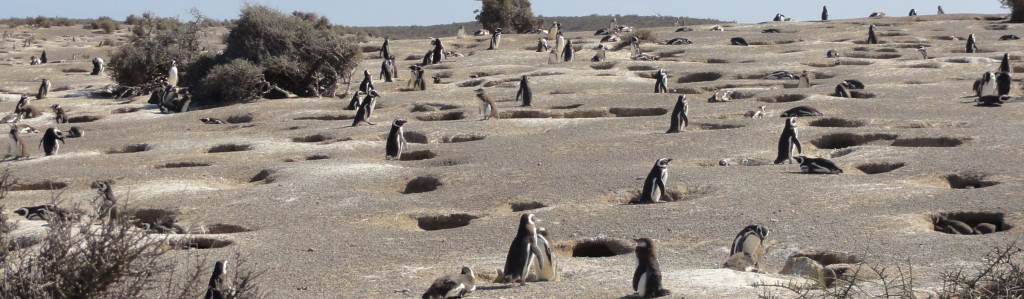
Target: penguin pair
[[452, 285], [647, 276], [654, 185], [956, 227], [524, 92], [220, 286], [527, 246], [387, 69], [659, 85], [417, 78], [488, 109], [680, 118], [366, 107], [787, 141], [817, 165], [747, 248], [396, 141]]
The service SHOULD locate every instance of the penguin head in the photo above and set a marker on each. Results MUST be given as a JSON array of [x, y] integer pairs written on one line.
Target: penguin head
[[662, 163], [761, 231], [479, 91], [373, 94], [762, 108], [526, 79], [799, 159], [220, 268], [526, 220], [55, 107], [174, 63], [681, 99], [398, 122], [21, 211], [791, 122], [466, 270], [366, 73]]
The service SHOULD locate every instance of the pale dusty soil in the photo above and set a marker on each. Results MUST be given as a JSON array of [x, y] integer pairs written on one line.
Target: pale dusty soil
[[342, 226]]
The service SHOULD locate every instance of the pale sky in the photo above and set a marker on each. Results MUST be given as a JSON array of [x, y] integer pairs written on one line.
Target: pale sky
[[432, 12]]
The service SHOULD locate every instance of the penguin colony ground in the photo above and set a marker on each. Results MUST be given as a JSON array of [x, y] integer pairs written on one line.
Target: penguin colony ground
[[329, 215]]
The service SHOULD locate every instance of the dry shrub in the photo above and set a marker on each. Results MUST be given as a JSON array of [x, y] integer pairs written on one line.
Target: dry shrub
[[107, 24], [645, 35], [147, 56], [235, 81]]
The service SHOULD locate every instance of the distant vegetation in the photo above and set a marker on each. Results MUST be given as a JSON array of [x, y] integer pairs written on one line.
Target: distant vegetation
[[586, 23], [1016, 10], [511, 15]]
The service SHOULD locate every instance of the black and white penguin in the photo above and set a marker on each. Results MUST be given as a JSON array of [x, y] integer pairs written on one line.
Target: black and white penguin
[[44, 89], [385, 49], [427, 58], [647, 277], [824, 13], [568, 53], [854, 84], [366, 108], [220, 282], [524, 92], [721, 96], [787, 141], [356, 101], [987, 84], [522, 251], [832, 54], [396, 140], [750, 243], [76, 132], [542, 45], [18, 148], [659, 85], [843, 90], [495, 39], [59, 114], [22, 107], [1009, 37], [940, 10], [49, 141], [42, 57], [1004, 65], [545, 267], [461, 33], [781, 75], [924, 53], [212, 121], [43, 212], [600, 55], [1004, 83], [992, 100], [439, 52], [817, 165], [386, 67], [108, 207], [452, 285], [487, 107], [554, 30], [805, 80], [738, 41], [779, 18], [871, 35], [680, 120], [913, 13], [367, 84], [417, 78], [559, 44], [172, 74], [681, 41], [972, 45], [97, 66], [654, 184]]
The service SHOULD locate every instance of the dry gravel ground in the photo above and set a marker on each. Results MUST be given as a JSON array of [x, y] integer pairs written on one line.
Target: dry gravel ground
[[332, 218]]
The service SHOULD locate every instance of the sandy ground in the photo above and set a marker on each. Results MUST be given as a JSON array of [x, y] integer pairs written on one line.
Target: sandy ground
[[332, 218]]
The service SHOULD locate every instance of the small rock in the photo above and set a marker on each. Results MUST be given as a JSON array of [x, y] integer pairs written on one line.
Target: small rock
[[740, 262], [804, 267]]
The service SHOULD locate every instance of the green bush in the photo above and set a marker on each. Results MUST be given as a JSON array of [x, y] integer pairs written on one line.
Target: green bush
[[510, 15], [1016, 10], [235, 81], [145, 58], [107, 24]]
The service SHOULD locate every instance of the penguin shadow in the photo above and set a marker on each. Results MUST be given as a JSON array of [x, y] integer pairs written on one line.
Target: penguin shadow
[[494, 287]]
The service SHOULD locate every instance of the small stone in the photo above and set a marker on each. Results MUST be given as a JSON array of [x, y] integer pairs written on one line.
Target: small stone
[[804, 267]]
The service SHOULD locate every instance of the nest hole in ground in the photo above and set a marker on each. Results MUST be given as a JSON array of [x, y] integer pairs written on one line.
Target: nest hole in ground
[[978, 222], [641, 68], [595, 247], [834, 122], [573, 106], [844, 140], [239, 119], [969, 181], [199, 243], [445, 221], [471, 83], [131, 148], [84, 118], [699, 77], [417, 155], [603, 66], [416, 137], [930, 142], [711, 126], [184, 164], [230, 147], [221, 228], [463, 138], [422, 184], [40, 185], [326, 117], [432, 107], [457, 115], [312, 138], [883, 167], [782, 98], [528, 205]]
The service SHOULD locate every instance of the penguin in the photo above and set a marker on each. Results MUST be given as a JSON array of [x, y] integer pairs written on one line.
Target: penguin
[[18, 148], [787, 141], [220, 282], [755, 113], [22, 108], [805, 80], [568, 53], [913, 13], [781, 75], [76, 132], [843, 90], [522, 251], [972, 46], [367, 83], [172, 74], [738, 41], [559, 44], [542, 45], [680, 120], [951, 226], [877, 14], [108, 207], [44, 89], [721, 96], [386, 68], [44, 212], [11, 118], [1004, 66], [987, 84], [545, 267], [461, 34], [385, 49], [659, 85], [212, 121], [635, 50], [924, 53], [985, 228], [771, 30], [1009, 37], [654, 184], [992, 100], [49, 141], [97, 66], [854, 84], [750, 242], [427, 58], [452, 285], [817, 165], [396, 140], [832, 54], [1003, 83], [417, 78], [683, 41], [495, 39], [871, 35], [554, 30], [366, 108], [647, 277], [42, 57], [524, 92], [438, 54], [824, 13], [779, 18], [600, 56], [59, 114], [26, 129], [940, 10], [487, 108]]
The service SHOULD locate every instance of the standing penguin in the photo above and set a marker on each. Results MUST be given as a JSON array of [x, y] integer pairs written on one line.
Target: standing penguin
[[522, 251], [1004, 66], [44, 89], [559, 44], [542, 45], [452, 285], [805, 80], [524, 92], [367, 84], [59, 114], [172, 74], [396, 141], [824, 13], [913, 13], [487, 108], [568, 53], [679, 118], [924, 53], [654, 184], [647, 277], [417, 78], [220, 283], [495, 39], [940, 10], [750, 242], [385, 49], [1003, 83], [42, 57], [553, 56], [659, 85], [787, 141], [97, 66], [356, 101], [972, 46], [366, 108], [22, 107], [987, 85], [18, 149], [439, 53], [49, 141], [871, 35], [554, 30], [386, 67], [108, 207], [461, 33]]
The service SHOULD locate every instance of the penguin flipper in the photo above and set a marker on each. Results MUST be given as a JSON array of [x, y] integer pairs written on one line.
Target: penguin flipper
[[661, 187], [686, 120], [796, 141]]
